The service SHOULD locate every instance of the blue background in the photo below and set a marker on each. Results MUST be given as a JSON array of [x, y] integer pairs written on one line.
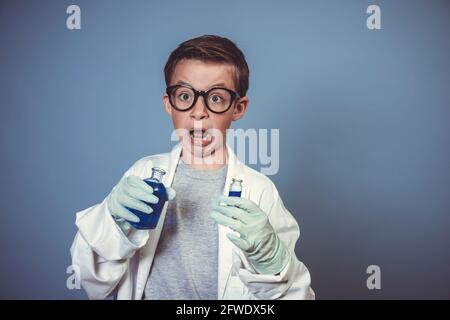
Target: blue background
[[363, 118]]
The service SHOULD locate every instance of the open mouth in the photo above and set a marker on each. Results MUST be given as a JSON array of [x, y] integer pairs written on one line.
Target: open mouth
[[200, 137]]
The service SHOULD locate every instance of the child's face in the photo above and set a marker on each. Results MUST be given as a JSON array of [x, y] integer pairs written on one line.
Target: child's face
[[203, 76]]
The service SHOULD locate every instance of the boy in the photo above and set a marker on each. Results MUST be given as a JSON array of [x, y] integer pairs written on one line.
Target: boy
[[206, 245]]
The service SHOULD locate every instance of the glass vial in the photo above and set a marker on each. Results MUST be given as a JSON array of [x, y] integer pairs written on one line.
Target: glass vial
[[150, 221], [235, 188]]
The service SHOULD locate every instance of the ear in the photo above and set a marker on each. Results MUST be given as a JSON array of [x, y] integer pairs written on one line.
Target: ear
[[167, 106], [240, 108]]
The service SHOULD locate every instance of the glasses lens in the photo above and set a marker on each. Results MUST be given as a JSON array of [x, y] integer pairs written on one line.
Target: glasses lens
[[219, 100], [182, 97]]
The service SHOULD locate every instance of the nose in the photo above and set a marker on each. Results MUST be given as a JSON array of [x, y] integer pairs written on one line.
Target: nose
[[199, 110]]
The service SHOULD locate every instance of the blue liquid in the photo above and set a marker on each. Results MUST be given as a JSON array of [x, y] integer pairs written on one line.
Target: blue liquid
[[234, 194], [149, 221]]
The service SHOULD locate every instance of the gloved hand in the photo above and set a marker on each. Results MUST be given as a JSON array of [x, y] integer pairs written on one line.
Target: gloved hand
[[257, 240], [130, 192]]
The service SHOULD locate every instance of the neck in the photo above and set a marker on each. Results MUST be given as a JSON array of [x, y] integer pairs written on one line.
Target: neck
[[212, 162]]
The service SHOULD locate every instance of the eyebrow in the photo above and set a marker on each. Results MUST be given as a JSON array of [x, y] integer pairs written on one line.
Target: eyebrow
[[220, 84]]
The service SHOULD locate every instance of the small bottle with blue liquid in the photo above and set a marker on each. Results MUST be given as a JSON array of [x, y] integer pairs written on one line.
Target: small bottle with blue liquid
[[149, 221], [235, 188]]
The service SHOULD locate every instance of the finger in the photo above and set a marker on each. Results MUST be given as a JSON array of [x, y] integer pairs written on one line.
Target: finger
[[239, 242], [143, 195], [242, 203], [233, 224], [127, 215], [263, 253], [232, 212], [139, 183], [132, 203], [170, 193]]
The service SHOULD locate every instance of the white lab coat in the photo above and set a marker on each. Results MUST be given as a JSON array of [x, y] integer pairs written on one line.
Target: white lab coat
[[112, 264]]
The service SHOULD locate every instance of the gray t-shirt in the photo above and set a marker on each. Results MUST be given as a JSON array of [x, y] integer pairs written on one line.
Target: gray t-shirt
[[185, 263]]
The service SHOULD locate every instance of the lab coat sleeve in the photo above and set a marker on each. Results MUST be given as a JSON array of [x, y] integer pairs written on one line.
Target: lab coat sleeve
[[293, 282], [101, 251]]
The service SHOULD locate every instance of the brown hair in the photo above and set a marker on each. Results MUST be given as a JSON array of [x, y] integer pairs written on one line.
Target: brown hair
[[211, 48]]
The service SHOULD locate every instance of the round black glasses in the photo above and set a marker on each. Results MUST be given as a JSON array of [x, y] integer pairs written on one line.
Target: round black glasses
[[217, 99]]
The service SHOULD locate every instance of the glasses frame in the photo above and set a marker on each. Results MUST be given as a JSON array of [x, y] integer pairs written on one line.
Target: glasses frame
[[204, 94]]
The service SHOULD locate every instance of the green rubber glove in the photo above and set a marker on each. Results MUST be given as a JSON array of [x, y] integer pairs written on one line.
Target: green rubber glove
[[130, 192], [257, 240]]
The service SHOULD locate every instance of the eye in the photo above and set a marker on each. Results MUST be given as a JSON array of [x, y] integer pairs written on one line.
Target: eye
[[216, 98], [184, 96]]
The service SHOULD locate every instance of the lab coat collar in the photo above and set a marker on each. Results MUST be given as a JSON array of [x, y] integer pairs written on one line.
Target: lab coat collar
[[225, 247], [235, 170]]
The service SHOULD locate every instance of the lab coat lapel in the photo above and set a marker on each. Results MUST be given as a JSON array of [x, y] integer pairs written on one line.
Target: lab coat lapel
[[147, 253], [225, 247], [235, 170]]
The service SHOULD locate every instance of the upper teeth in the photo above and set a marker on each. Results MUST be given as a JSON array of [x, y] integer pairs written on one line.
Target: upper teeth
[[199, 133]]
